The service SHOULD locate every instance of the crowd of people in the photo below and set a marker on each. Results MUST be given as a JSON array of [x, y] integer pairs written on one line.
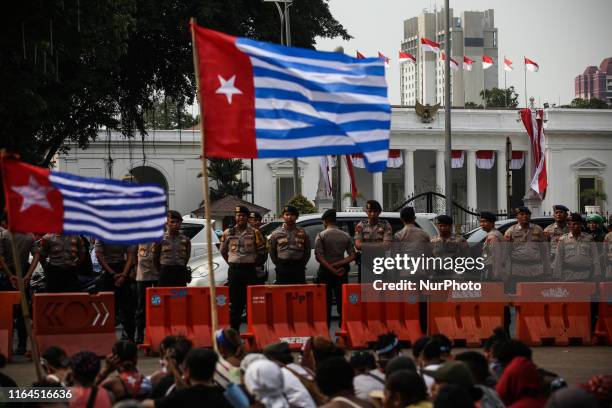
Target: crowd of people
[[325, 374]]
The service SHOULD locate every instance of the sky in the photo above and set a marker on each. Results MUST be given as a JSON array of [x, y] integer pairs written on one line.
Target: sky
[[562, 36]]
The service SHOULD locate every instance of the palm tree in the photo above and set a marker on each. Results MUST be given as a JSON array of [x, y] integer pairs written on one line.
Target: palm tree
[[225, 173]]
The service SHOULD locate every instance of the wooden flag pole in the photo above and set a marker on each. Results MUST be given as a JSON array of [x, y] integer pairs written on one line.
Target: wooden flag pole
[[211, 273]]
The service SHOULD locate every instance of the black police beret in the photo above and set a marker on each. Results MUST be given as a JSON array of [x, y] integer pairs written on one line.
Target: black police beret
[[329, 213], [487, 215], [291, 210], [255, 215], [373, 205], [560, 207], [575, 217], [523, 209], [445, 219], [407, 213], [242, 210]]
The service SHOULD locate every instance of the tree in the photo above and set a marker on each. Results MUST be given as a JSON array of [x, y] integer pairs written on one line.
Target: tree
[[500, 98], [166, 114], [592, 103], [71, 68], [225, 174], [303, 205]]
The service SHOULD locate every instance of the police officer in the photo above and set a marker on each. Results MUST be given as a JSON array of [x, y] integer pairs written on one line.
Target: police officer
[[290, 249], [554, 231], [526, 253], [260, 270], [577, 258], [595, 227], [492, 251], [116, 262], [447, 244], [172, 253], [147, 276], [371, 230], [243, 248], [607, 254], [62, 257], [331, 245]]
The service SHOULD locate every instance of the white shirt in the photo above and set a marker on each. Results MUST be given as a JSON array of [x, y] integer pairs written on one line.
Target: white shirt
[[366, 383], [429, 381], [295, 392]]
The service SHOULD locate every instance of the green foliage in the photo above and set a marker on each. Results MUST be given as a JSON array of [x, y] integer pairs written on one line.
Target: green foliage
[[166, 114], [593, 103], [592, 195], [472, 105], [303, 205], [71, 68], [500, 98], [225, 174]]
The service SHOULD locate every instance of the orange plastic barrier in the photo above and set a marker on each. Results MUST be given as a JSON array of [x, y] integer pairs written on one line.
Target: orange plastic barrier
[[7, 301], [183, 311], [289, 313], [464, 317], [75, 321], [364, 321], [554, 312], [603, 330]]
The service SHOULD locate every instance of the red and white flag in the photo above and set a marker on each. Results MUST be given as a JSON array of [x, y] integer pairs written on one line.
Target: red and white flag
[[384, 58], [406, 56], [428, 45], [487, 62], [394, 160], [467, 63], [518, 160], [457, 159], [531, 65], [453, 64], [359, 55], [508, 64], [533, 121], [485, 159]]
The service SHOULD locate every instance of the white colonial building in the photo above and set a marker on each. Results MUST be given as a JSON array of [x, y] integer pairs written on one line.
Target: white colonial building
[[578, 152]]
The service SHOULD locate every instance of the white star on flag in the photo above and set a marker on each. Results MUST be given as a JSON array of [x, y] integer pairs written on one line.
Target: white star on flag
[[227, 87], [33, 194]]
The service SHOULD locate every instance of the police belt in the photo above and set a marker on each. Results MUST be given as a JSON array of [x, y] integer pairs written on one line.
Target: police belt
[[285, 263], [575, 268], [239, 266], [526, 262]]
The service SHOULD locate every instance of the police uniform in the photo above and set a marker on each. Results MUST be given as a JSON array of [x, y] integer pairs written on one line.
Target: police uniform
[[554, 232], [261, 274], [332, 244], [174, 252], [414, 242], [290, 252], [526, 252], [243, 249], [452, 246], [147, 275], [62, 257], [492, 250], [577, 258], [607, 255], [374, 232]]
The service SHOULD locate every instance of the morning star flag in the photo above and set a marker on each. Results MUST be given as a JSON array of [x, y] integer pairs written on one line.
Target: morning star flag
[[531, 65], [428, 45], [508, 64], [405, 57], [467, 63], [40, 201], [487, 62], [263, 100]]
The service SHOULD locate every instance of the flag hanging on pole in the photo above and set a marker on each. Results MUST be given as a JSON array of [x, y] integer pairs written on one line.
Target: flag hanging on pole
[[324, 164], [531, 65], [386, 59], [487, 62], [508, 64], [428, 45], [40, 201], [453, 64], [359, 55], [406, 57], [467, 63], [351, 172], [533, 122], [263, 100]]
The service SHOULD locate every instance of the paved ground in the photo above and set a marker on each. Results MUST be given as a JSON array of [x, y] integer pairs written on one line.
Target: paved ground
[[575, 364]]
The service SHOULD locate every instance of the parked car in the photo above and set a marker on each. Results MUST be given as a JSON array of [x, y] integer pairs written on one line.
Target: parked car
[[195, 229], [477, 235]]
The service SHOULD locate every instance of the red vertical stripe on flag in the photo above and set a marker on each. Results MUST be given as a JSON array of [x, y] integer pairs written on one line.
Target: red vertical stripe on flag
[[349, 166]]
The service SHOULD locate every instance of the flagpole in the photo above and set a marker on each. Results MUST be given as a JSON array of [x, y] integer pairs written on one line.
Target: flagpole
[[447, 113], [505, 86], [525, 71], [206, 193]]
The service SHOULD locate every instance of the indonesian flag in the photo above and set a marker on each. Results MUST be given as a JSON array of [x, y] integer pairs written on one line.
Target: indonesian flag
[[518, 160], [359, 55], [487, 62], [485, 159], [453, 64], [384, 58], [394, 160], [467, 63], [325, 168], [457, 159], [531, 65], [508, 64], [406, 56], [535, 129], [428, 45], [351, 172]]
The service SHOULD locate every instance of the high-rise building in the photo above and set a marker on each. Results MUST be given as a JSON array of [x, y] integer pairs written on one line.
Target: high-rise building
[[472, 35], [595, 83]]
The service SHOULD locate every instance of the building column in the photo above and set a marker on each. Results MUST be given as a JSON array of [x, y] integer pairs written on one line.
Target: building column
[[502, 184], [528, 170], [408, 173], [377, 187], [345, 183], [472, 194], [440, 181]]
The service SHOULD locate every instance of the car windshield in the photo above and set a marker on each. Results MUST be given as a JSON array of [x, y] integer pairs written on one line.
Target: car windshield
[[267, 228]]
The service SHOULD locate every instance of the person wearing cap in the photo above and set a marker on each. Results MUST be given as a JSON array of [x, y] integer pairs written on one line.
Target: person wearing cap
[[448, 245], [372, 230], [454, 373], [595, 227], [260, 270], [526, 252], [491, 247], [243, 248], [172, 253], [290, 249], [554, 231], [577, 257], [410, 232], [334, 250]]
